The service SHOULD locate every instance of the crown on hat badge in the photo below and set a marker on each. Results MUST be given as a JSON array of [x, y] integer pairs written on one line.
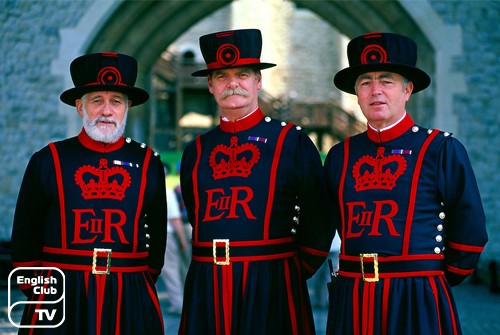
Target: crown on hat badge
[[235, 160], [374, 175], [103, 182]]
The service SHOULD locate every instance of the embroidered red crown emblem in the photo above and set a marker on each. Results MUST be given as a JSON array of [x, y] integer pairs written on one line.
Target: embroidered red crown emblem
[[235, 160], [102, 182], [374, 176]]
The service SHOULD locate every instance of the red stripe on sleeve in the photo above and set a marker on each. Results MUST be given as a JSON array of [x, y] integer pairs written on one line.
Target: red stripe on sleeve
[[464, 247]]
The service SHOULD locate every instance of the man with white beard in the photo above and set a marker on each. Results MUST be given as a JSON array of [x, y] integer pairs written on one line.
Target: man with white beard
[[94, 207]]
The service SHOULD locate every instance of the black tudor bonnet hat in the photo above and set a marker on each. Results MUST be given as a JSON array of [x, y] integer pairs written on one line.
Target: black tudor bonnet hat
[[105, 71], [232, 48], [381, 52]]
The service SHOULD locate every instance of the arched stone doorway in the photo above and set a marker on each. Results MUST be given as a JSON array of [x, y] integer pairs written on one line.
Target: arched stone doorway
[[145, 28]]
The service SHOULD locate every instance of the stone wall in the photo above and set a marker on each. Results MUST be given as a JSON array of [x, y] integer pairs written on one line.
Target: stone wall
[[477, 108], [29, 93]]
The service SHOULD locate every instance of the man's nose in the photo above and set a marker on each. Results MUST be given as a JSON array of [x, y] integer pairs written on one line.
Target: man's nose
[[376, 88], [107, 109], [233, 81]]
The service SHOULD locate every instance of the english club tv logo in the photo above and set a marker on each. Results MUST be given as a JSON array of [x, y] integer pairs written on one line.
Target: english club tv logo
[[45, 287]]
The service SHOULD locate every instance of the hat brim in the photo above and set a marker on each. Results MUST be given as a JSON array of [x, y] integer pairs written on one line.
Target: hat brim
[[136, 95], [345, 79], [258, 66]]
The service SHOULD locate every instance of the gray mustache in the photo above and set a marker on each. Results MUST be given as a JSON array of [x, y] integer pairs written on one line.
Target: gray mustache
[[105, 119], [236, 91]]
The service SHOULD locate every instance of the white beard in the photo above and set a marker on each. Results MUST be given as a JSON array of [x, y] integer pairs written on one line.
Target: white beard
[[95, 132]]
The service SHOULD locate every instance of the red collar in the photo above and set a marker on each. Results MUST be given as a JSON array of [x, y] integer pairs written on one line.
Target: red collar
[[242, 124], [391, 133], [91, 144]]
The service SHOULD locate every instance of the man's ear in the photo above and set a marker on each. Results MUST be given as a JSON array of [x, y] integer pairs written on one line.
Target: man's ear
[[409, 89], [209, 82], [79, 107]]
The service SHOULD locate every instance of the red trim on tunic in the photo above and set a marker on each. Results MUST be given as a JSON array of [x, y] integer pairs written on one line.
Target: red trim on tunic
[[195, 189], [367, 310], [227, 296], [100, 281], [314, 252], [398, 258], [448, 298], [119, 303], [154, 299], [291, 305], [413, 192], [78, 267], [244, 123], [244, 279], [463, 272], [371, 308], [341, 190], [355, 307], [436, 301], [464, 247], [391, 133], [304, 312], [94, 145], [77, 252], [385, 304], [60, 192], [141, 197], [216, 302], [272, 180], [210, 259], [276, 241]]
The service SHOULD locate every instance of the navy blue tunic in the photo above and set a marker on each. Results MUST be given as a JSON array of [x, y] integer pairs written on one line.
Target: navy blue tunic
[[256, 198], [78, 195], [412, 225]]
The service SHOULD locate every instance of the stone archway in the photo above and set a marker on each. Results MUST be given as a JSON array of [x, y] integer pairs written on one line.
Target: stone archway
[[145, 28]]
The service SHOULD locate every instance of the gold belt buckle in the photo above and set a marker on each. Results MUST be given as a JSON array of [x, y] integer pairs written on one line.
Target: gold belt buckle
[[226, 250], [375, 267], [94, 261]]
